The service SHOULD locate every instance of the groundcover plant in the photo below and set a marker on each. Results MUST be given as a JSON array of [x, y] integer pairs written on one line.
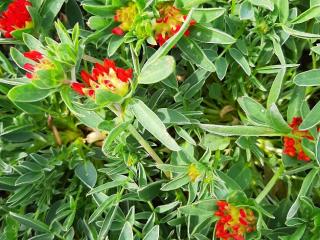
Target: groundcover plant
[[153, 119]]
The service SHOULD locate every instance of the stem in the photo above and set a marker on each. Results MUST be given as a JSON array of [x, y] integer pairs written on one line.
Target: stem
[[91, 59], [146, 146], [135, 60], [73, 74], [233, 6], [142, 142], [270, 184]]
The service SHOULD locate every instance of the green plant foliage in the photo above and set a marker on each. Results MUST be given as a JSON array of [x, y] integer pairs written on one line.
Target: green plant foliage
[[154, 120]]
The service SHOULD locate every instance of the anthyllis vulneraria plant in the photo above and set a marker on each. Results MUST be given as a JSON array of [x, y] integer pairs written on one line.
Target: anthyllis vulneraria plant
[[155, 120]]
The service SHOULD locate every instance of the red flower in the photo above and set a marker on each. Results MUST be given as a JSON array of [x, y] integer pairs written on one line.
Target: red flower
[[292, 146], [233, 222], [107, 77], [40, 63], [169, 23], [15, 17]]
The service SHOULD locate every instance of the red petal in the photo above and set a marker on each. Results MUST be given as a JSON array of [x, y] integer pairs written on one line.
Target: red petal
[[78, 87], [86, 77], [29, 75], [109, 64], [33, 55], [29, 67], [122, 75], [117, 31]]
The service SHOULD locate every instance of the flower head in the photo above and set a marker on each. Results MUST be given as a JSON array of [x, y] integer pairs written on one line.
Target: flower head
[[193, 172], [106, 76], [293, 146], [40, 63], [234, 222], [15, 17], [169, 23], [126, 17]]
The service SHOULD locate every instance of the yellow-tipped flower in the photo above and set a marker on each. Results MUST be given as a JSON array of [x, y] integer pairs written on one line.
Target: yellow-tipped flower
[[126, 17]]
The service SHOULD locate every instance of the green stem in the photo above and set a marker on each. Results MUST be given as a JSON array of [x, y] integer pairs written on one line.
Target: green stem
[[144, 144], [142, 141], [233, 6], [91, 59], [270, 184], [135, 60]]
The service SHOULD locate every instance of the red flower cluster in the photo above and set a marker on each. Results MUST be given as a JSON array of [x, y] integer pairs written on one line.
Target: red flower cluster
[[234, 222], [41, 63], [292, 146], [169, 23], [108, 77], [15, 17]]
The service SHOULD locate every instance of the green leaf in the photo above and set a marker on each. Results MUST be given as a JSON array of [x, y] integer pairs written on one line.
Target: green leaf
[[18, 57], [87, 173], [246, 11], [195, 54], [89, 118], [114, 43], [176, 183], [210, 35], [308, 78], [186, 4], [221, 65], [112, 136], [74, 14], [15, 81], [268, 4], [214, 142], [107, 223], [126, 232], [241, 174], [306, 184], [207, 15], [239, 130], [49, 11], [29, 178], [295, 103], [312, 118], [299, 34], [311, 13], [276, 120], [150, 121], [172, 168], [32, 42], [31, 223], [150, 191], [255, 112], [172, 116], [104, 97], [108, 185], [102, 208], [166, 207], [185, 135], [241, 60], [28, 93], [157, 71], [276, 87], [283, 9], [153, 234], [100, 10]]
